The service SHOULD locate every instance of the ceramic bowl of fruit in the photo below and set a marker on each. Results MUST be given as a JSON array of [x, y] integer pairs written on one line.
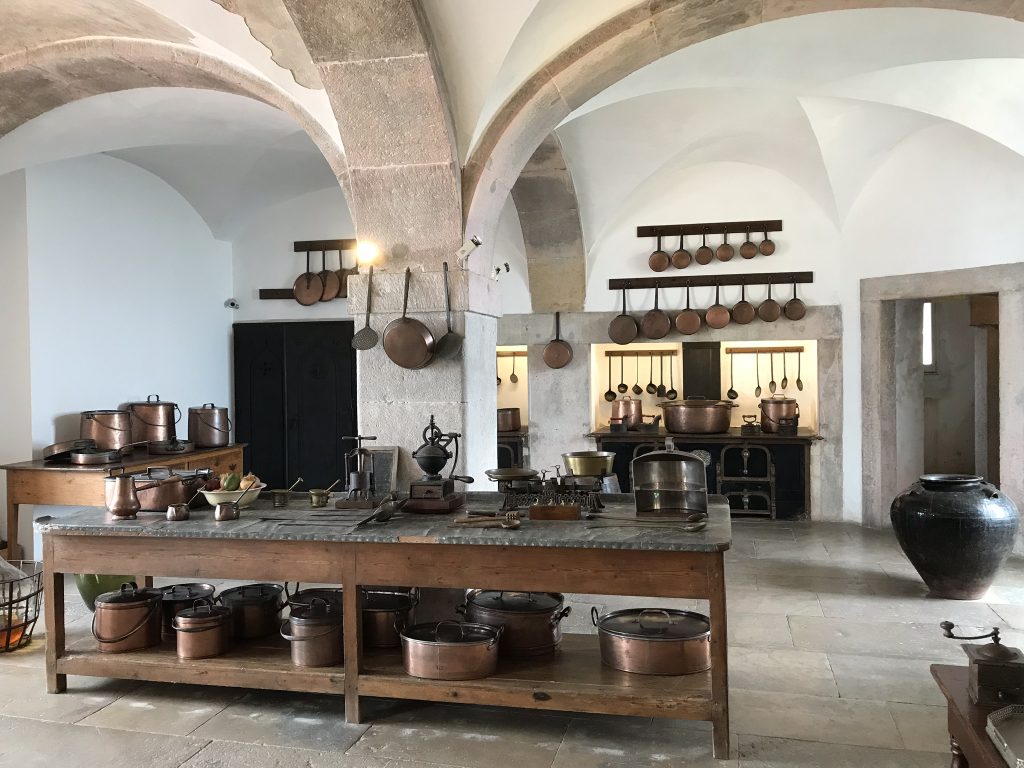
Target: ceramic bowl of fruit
[[241, 489]]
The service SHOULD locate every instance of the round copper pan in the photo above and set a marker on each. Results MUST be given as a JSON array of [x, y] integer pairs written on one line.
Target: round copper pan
[[656, 324], [688, 321], [704, 254], [681, 258], [658, 261], [725, 251], [330, 279], [769, 309], [749, 248], [767, 247], [718, 315], [623, 328], [795, 309], [743, 312], [558, 353], [407, 341]]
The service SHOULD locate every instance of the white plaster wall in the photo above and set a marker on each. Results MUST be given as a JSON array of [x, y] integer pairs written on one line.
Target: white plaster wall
[[15, 383], [510, 247], [263, 257]]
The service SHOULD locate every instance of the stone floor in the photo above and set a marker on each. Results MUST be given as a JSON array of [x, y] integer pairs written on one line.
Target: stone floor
[[830, 638]]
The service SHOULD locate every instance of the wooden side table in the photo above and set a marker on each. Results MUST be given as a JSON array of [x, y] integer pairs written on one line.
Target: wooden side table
[[969, 744]]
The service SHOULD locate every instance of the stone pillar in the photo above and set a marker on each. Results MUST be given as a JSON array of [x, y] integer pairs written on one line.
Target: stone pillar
[[560, 406], [981, 403], [1011, 395], [909, 393], [827, 454], [878, 327]]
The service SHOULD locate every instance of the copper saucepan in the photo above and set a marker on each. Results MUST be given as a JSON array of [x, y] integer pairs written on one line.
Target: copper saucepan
[[656, 323], [795, 309], [623, 328], [704, 254], [743, 312], [658, 261], [557, 353], [681, 258], [769, 309], [407, 341], [688, 321], [718, 315]]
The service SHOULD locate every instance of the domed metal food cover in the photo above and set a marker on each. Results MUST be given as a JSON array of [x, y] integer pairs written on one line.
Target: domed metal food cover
[[669, 482]]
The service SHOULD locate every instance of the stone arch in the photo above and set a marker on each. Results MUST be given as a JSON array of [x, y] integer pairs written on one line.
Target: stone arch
[[50, 75], [606, 54]]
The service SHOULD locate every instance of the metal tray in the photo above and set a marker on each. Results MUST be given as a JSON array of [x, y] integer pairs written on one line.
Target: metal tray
[[1006, 729]]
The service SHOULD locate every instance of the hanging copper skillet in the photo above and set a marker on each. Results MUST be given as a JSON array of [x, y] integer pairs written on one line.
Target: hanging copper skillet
[[558, 353], [767, 247], [623, 328], [743, 312], [656, 324], [718, 315], [769, 309], [704, 255], [688, 321], [658, 261], [681, 258], [308, 287], [330, 279], [748, 250], [795, 309], [725, 251], [407, 341]]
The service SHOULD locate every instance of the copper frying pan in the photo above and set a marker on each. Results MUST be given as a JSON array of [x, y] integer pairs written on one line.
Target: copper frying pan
[[769, 309], [407, 341], [795, 309], [725, 251], [743, 312], [688, 321], [558, 353], [330, 279], [656, 323], [308, 288], [658, 261], [623, 328], [681, 258], [718, 315], [704, 254], [749, 248]]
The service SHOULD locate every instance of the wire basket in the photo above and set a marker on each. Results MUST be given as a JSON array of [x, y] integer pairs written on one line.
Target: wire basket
[[19, 605]]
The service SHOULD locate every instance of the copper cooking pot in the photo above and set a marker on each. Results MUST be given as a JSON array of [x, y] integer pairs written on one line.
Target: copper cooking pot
[[697, 416], [178, 597], [153, 420], [112, 430], [385, 613], [204, 630], [630, 410], [776, 408], [315, 635], [256, 609], [159, 487], [450, 650], [509, 420], [654, 641], [209, 426], [532, 620], [127, 620]]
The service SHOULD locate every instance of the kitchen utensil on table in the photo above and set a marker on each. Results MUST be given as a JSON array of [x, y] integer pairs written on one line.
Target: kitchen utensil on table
[[769, 309], [671, 394], [209, 426], [308, 288], [557, 353], [91, 456], [704, 254], [609, 395], [697, 416], [771, 382], [281, 496], [757, 374], [225, 511], [330, 280], [656, 323], [255, 609], [178, 512], [408, 343], [62, 451], [623, 387], [669, 483], [658, 261], [743, 312], [732, 394], [170, 447], [688, 321], [718, 315], [204, 630], [654, 641], [767, 247], [681, 258], [750, 427], [694, 517], [450, 344], [366, 338], [506, 523], [110, 429], [315, 635], [795, 309], [303, 598], [749, 249], [531, 620], [121, 497], [319, 497], [450, 650], [799, 381], [661, 376], [666, 526], [995, 674], [630, 410], [127, 620], [652, 388], [623, 328], [240, 498], [514, 379], [509, 420], [511, 473], [384, 511], [588, 463], [785, 379], [385, 613], [166, 486], [177, 597], [775, 410], [725, 252], [153, 420]]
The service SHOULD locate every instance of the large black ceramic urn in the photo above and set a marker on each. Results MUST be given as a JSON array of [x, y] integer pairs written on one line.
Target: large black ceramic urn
[[957, 531]]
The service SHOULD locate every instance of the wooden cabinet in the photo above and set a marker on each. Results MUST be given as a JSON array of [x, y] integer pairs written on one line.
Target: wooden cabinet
[[219, 463]]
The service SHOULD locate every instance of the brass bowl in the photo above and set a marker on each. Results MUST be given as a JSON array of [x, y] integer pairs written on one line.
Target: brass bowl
[[589, 463]]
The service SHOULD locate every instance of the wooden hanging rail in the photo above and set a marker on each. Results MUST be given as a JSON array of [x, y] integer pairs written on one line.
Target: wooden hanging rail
[[344, 244], [711, 228], [513, 353], [309, 246], [641, 353], [761, 350], [780, 279]]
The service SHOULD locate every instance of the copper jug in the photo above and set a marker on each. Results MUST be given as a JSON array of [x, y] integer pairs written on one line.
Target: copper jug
[[121, 497]]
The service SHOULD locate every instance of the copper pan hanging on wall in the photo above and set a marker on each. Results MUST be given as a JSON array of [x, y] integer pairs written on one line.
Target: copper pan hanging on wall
[[656, 324], [743, 311], [658, 261], [308, 287], [557, 353], [407, 341], [795, 309], [688, 321], [718, 315], [623, 328], [769, 309]]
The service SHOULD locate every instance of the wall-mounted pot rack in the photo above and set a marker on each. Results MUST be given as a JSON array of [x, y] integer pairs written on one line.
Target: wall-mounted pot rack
[[711, 228], [517, 353], [641, 353], [761, 350], [313, 246], [681, 281]]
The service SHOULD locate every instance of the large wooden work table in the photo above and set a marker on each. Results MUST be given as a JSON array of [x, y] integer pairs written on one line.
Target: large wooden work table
[[421, 550], [65, 484]]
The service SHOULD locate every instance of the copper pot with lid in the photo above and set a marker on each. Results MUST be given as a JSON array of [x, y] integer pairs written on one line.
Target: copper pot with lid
[[315, 634], [669, 482], [209, 426], [153, 420], [450, 650], [178, 597], [532, 620], [385, 613], [256, 609], [110, 429], [697, 415], [777, 408], [204, 630], [127, 620], [509, 420], [654, 641], [630, 410]]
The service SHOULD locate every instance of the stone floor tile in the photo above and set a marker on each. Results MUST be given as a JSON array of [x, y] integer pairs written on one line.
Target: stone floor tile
[[164, 708], [783, 601], [1012, 615], [307, 721], [470, 737], [229, 754], [23, 694], [762, 752], [920, 610], [915, 641], [798, 550], [813, 718], [759, 629], [1005, 594], [922, 728], [38, 744], [782, 670], [886, 678], [616, 742]]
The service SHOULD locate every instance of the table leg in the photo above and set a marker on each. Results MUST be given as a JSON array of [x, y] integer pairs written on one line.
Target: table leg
[[144, 581], [353, 638], [958, 760], [53, 604], [719, 657], [12, 521]]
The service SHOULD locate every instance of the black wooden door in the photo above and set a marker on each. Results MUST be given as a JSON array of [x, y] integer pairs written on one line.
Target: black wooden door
[[702, 372], [259, 399]]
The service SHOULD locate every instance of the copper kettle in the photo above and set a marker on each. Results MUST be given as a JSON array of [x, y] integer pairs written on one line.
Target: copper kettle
[[119, 491]]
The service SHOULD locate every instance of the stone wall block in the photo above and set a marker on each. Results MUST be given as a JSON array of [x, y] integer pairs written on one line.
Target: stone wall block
[[557, 284], [469, 290], [356, 30], [31, 93], [529, 125], [552, 234], [548, 156], [681, 24], [560, 408], [544, 191], [782, 9]]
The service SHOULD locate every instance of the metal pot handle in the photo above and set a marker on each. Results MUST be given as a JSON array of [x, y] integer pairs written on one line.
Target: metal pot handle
[[153, 610], [292, 638], [111, 427], [594, 616], [449, 622], [557, 617], [497, 637], [205, 423], [655, 611], [461, 610]]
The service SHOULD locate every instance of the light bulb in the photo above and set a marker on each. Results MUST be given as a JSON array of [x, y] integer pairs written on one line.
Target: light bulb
[[367, 252]]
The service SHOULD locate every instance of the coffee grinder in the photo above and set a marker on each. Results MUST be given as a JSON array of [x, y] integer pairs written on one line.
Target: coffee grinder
[[359, 470], [432, 492]]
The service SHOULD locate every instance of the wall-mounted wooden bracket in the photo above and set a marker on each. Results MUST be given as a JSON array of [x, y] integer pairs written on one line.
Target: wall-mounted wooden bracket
[[311, 246], [513, 353], [761, 350], [711, 228], [680, 281], [641, 353]]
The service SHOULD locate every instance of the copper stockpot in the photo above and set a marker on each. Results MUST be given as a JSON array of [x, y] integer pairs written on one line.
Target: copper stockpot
[[153, 420], [532, 620], [776, 408], [256, 609], [654, 641], [127, 620], [112, 430], [385, 613], [697, 416], [450, 650], [509, 420], [209, 426], [303, 598], [178, 597], [204, 630], [315, 635], [630, 410]]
